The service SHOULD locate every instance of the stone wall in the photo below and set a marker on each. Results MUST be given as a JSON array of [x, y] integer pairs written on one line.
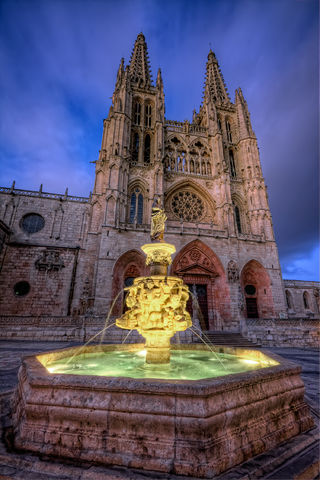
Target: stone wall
[[42, 328], [48, 272], [303, 333], [303, 298]]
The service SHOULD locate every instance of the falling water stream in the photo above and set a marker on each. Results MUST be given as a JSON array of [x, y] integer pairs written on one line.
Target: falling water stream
[[192, 362]]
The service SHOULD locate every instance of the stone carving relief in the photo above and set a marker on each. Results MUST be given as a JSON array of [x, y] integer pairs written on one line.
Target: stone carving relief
[[49, 261], [195, 256], [159, 257], [233, 272]]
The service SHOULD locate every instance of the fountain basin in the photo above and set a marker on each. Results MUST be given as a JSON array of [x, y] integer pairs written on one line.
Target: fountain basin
[[195, 363], [189, 427]]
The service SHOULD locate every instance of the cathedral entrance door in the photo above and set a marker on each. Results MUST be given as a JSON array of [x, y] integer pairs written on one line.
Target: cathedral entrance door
[[201, 290], [252, 307]]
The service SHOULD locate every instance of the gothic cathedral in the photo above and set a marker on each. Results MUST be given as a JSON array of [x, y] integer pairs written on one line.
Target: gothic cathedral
[[69, 257], [208, 176]]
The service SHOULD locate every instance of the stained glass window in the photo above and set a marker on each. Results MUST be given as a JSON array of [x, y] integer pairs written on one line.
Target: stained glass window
[[132, 207], [137, 113], [148, 114], [136, 207], [147, 149], [32, 223], [238, 219], [187, 206], [232, 165]]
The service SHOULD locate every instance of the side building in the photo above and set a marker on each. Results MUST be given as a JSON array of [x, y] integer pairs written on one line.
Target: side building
[[65, 259]]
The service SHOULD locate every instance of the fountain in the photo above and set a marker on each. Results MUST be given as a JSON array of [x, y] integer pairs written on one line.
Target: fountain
[[197, 413]]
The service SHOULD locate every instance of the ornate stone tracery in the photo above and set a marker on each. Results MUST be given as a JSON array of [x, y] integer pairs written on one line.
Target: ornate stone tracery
[[188, 206]]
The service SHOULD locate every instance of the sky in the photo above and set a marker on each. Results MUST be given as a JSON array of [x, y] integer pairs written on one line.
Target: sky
[[58, 64]]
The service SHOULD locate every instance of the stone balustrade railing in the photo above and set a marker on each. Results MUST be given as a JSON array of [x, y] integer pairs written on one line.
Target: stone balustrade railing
[[185, 127], [40, 194]]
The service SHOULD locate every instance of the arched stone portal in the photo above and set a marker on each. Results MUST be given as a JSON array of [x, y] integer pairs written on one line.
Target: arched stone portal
[[198, 265], [130, 265], [256, 287]]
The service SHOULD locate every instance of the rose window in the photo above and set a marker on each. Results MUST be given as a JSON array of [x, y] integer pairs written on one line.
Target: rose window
[[187, 206]]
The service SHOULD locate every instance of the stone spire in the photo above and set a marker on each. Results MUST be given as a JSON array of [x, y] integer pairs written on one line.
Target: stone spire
[[140, 72], [159, 82], [120, 73], [244, 122], [215, 88]]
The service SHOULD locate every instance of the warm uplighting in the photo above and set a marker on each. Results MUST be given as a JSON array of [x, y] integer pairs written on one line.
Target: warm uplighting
[[51, 369], [157, 305], [249, 362], [158, 253], [142, 353]]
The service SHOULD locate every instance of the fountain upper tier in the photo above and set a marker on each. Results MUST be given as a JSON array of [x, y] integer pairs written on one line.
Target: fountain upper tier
[[157, 304], [157, 309]]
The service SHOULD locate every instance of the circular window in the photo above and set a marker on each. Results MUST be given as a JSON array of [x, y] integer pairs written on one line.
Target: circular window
[[21, 288], [187, 206], [32, 223], [250, 289], [128, 281]]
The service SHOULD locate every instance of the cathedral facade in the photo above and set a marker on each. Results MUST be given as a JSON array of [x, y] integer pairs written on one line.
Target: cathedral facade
[[68, 257]]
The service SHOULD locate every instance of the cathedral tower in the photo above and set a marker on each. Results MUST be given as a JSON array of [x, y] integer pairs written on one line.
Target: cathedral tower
[[81, 252], [208, 174]]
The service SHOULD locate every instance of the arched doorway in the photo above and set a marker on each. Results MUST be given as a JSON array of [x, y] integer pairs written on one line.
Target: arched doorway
[[203, 272], [129, 266], [256, 287]]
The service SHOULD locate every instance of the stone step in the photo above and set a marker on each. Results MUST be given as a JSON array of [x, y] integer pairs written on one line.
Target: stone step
[[231, 339]]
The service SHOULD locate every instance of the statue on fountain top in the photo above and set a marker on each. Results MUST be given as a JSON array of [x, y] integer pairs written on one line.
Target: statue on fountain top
[[158, 219]]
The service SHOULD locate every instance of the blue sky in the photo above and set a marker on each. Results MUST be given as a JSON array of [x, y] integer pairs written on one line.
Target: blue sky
[[58, 63]]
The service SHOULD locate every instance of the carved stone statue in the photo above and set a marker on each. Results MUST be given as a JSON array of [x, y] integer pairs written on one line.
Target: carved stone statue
[[158, 219], [233, 272]]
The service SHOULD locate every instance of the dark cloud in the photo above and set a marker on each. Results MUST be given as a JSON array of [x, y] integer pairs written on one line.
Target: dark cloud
[[58, 63]]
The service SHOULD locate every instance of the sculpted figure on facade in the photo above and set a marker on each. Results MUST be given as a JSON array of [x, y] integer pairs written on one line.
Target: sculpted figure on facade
[[233, 272]]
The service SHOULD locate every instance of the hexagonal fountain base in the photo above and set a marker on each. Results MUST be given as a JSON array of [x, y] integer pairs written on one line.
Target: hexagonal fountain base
[[197, 428]]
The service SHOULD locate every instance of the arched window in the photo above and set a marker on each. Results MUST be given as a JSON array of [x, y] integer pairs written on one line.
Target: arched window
[[147, 142], [136, 207], [219, 124], [148, 113], [133, 202], [289, 299], [233, 171], [238, 218], [135, 148], [137, 113], [306, 300], [228, 128]]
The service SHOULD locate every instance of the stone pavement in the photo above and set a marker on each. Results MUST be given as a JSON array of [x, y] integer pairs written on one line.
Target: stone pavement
[[297, 459]]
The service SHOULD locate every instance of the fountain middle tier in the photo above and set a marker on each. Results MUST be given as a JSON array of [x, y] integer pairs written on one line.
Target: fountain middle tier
[[157, 310]]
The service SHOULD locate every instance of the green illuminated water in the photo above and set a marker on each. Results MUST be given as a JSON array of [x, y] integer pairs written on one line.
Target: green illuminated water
[[184, 365]]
